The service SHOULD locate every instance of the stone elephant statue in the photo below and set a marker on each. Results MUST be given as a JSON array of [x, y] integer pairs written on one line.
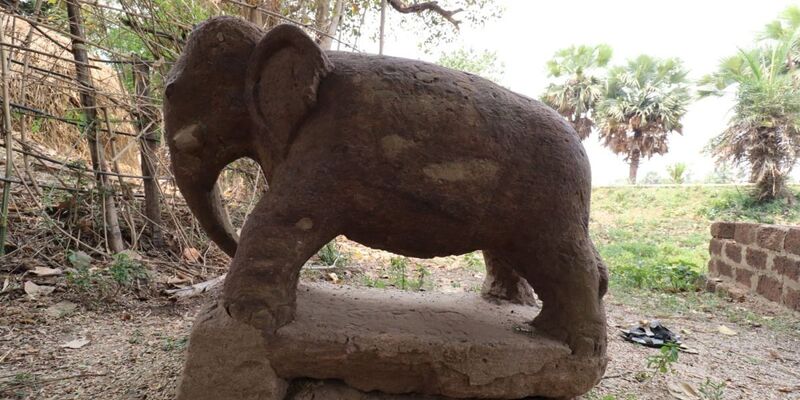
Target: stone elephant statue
[[396, 154]]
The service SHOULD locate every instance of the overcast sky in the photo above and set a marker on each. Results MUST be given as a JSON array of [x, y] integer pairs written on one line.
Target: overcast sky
[[700, 32]]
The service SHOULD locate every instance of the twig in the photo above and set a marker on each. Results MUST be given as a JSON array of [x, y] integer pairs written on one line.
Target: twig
[[195, 289], [431, 6], [51, 380]]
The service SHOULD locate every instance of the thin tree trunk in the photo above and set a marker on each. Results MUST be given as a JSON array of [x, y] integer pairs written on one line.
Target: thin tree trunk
[[23, 139], [273, 6], [252, 12], [7, 142], [327, 41], [149, 146], [89, 106], [321, 13], [381, 38], [633, 162]]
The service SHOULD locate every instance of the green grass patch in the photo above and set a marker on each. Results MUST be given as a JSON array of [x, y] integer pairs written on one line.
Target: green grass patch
[[657, 238]]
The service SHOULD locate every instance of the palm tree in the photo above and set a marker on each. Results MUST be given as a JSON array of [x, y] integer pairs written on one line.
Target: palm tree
[[783, 30], [580, 84], [764, 132], [643, 103]]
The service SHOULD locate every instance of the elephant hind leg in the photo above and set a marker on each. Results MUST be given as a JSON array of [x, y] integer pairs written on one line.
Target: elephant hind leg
[[566, 277], [503, 282]]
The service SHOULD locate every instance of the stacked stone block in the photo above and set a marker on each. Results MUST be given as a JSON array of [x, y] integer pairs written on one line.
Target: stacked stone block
[[762, 259]]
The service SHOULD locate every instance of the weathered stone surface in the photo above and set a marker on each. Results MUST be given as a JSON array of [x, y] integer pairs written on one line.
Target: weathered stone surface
[[756, 258], [459, 346], [227, 360], [792, 299], [770, 288], [744, 277], [733, 251], [333, 390], [715, 246], [723, 230], [792, 241], [787, 267], [724, 269], [771, 237], [745, 233]]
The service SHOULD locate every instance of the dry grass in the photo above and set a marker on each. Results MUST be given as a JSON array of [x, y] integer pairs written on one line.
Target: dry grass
[[56, 94]]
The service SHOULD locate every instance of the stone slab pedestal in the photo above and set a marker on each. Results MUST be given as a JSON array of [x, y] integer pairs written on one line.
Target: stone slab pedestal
[[370, 344]]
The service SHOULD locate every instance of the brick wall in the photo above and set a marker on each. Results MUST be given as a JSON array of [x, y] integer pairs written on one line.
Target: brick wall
[[763, 259]]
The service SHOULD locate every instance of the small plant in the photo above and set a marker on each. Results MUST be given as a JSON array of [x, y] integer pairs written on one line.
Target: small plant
[[677, 173], [81, 276], [400, 277], [474, 262], [419, 283], [662, 362], [172, 344], [136, 337], [124, 270], [397, 268], [367, 281], [710, 390], [330, 255]]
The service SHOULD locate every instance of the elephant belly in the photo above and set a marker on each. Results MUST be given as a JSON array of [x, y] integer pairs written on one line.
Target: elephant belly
[[430, 238]]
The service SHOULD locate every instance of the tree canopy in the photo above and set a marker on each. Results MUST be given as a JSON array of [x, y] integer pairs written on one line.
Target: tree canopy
[[578, 72], [764, 131], [643, 104]]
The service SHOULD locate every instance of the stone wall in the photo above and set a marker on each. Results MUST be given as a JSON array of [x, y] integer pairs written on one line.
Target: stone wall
[[762, 259]]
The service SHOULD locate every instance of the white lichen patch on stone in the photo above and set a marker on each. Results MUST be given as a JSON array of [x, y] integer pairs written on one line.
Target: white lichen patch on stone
[[458, 171], [393, 145], [185, 139], [304, 224]]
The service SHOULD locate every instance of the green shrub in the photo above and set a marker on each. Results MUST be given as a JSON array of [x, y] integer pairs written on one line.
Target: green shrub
[[330, 255], [742, 206], [125, 270], [662, 362], [400, 277], [474, 261]]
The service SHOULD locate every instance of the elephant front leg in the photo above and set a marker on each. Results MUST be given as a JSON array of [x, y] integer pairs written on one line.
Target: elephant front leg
[[260, 288]]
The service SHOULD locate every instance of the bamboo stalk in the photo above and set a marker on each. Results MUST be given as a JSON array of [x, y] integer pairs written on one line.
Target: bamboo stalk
[[149, 146], [89, 106], [8, 144]]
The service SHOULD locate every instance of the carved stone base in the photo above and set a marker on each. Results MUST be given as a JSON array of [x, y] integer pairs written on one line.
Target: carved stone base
[[370, 344]]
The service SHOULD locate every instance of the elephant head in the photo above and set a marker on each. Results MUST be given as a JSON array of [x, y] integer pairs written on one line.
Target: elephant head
[[235, 92]]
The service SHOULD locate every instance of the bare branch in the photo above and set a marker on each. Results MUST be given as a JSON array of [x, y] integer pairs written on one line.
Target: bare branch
[[432, 6]]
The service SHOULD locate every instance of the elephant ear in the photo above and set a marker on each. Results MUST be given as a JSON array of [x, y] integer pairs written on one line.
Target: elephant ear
[[283, 76]]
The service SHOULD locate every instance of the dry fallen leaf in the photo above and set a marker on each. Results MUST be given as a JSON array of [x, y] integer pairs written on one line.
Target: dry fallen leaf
[[192, 255], [682, 391], [726, 331], [61, 309], [35, 291], [176, 280], [45, 271], [334, 277], [75, 344]]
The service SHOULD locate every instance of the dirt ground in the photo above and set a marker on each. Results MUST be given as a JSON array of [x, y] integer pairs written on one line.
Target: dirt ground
[[134, 349]]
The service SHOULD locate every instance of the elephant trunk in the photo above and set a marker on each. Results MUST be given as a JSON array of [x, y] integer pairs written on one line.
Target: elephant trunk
[[202, 194]]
